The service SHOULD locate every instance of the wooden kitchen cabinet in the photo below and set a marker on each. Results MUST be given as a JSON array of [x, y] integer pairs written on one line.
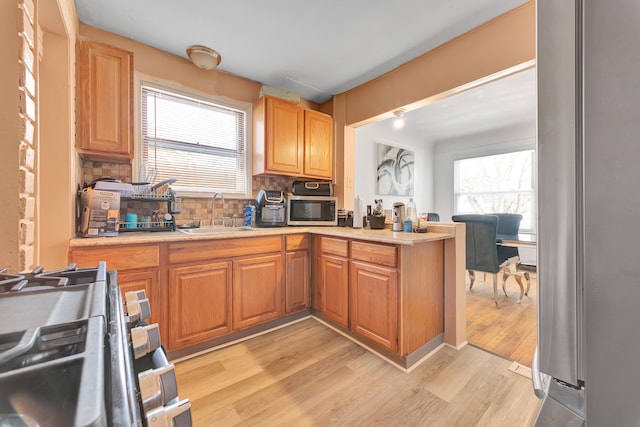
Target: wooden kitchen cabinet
[[199, 303], [243, 288], [374, 293], [257, 290], [104, 102], [137, 266], [374, 303], [296, 273], [291, 141], [334, 280], [135, 280], [318, 145]]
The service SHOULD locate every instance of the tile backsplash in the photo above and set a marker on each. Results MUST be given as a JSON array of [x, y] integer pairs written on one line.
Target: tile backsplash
[[191, 207]]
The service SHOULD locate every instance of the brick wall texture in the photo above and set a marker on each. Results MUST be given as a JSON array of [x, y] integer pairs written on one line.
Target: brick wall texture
[[28, 117]]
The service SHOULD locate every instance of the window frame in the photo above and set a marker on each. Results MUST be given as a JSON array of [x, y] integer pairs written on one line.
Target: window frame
[[141, 80], [532, 191]]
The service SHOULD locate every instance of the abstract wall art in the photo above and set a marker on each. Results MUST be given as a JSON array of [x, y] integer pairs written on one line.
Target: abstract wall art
[[395, 170]]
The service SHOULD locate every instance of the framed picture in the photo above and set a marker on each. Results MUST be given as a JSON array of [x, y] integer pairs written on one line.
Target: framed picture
[[394, 173]]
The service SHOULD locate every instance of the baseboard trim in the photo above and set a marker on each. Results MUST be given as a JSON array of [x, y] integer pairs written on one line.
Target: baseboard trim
[[459, 347]]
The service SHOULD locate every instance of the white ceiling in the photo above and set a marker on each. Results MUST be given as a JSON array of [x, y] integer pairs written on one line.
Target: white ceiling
[[315, 48], [321, 48], [507, 103]]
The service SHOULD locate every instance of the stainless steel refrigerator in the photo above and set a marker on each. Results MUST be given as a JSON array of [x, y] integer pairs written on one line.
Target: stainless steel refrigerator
[[587, 367]]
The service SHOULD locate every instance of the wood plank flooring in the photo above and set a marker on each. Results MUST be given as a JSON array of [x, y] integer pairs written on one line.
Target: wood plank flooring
[[509, 330], [306, 374]]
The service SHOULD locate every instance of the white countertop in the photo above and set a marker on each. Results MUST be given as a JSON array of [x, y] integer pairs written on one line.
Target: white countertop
[[441, 232]]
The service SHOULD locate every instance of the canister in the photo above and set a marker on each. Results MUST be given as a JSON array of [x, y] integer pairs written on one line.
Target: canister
[[131, 220]]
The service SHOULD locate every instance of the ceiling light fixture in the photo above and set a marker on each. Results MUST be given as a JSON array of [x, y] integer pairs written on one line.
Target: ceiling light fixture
[[398, 122], [203, 57]]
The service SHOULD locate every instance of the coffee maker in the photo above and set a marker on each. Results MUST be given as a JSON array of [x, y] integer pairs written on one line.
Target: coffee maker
[[398, 217]]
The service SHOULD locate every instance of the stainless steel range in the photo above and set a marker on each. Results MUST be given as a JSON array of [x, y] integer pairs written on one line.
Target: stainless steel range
[[69, 355]]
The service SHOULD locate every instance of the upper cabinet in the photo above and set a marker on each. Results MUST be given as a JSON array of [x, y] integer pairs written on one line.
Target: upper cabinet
[[318, 145], [288, 140], [104, 102]]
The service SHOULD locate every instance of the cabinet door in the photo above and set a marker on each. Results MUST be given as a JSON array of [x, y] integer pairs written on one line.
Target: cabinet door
[[335, 289], [374, 304], [105, 81], [318, 145], [257, 290], [142, 280], [284, 137], [199, 303], [297, 281]]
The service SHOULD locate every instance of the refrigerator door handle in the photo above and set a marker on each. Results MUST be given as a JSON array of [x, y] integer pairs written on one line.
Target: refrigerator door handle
[[540, 380]]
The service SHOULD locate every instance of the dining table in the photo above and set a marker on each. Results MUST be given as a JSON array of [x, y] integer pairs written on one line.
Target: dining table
[[521, 239]]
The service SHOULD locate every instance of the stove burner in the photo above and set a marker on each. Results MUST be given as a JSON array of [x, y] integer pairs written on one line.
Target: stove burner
[[38, 279]]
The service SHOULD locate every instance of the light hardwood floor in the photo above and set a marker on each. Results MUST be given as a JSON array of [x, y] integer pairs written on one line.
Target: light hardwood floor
[[509, 330], [306, 374]]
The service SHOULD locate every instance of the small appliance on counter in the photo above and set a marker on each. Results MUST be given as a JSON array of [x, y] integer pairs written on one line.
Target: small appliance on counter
[[312, 210], [398, 216], [271, 208], [312, 188]]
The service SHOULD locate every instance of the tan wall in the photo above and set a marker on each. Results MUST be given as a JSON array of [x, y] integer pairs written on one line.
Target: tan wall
[[492, 50], [9, 136], [36, 154], [57, 157]]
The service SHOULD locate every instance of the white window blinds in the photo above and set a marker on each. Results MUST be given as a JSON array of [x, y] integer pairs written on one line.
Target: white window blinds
[[200, 143]]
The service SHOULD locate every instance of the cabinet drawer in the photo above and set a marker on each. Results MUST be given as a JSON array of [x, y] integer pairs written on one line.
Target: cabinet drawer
[[117, 257], [374, 253], [335, 246], [297, 242], [225, 248]]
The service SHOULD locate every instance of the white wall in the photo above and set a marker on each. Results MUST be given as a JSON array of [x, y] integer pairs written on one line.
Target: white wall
[[366, 163], [522, 137], [446, 152]]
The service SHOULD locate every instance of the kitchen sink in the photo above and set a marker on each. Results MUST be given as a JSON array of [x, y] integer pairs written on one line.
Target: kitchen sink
[[203, 231]]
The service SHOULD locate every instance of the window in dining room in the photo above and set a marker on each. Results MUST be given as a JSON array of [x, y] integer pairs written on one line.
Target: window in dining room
[[502, 183]]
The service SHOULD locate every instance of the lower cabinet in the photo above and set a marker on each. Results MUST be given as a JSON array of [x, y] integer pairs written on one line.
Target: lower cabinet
[[257, 290], [199, 303], [297, 268], [335, 288], [332, 273], [374, 303], [137, 267], [132, 280], [216, 287]]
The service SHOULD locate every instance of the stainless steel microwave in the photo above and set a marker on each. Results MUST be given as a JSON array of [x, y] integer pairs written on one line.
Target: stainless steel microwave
[[312, 210]]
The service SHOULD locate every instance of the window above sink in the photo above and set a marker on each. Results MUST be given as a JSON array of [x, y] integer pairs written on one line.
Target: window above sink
[[200, 141]]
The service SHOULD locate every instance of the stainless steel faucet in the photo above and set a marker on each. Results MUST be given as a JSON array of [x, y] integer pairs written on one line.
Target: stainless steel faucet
[[213, 205]]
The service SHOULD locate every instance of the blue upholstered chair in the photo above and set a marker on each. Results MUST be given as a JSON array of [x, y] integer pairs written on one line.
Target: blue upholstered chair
[[432, 216], [482, 251]]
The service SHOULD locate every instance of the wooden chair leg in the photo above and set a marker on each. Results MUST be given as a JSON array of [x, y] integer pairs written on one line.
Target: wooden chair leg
[[505, 276], [527, 277], [519, 280], [495, 288], [472, 278]]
